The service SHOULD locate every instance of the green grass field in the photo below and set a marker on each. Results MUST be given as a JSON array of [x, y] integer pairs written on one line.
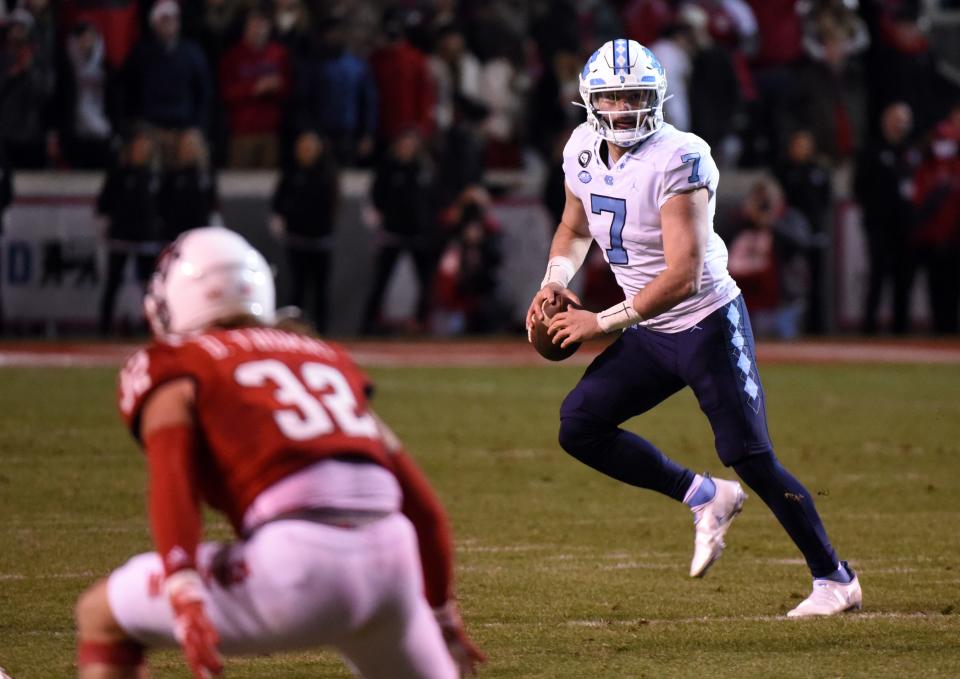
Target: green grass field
[[562, 572]]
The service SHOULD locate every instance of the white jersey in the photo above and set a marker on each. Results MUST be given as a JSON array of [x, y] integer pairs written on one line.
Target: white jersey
[[623, 210]]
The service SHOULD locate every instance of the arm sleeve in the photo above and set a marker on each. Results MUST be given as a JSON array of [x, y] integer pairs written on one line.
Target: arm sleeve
[[174, 498], [423, 508]]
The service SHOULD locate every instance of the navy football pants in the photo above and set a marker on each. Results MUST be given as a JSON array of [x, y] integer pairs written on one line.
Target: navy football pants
[[716, 360]]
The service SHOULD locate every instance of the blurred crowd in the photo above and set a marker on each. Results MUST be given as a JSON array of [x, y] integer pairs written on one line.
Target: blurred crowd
[[430, 95]]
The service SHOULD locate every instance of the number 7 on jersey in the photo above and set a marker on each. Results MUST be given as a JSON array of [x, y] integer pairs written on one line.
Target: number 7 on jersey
[[616, 253]]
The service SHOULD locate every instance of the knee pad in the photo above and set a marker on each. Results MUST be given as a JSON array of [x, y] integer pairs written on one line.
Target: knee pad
[[124, 653]]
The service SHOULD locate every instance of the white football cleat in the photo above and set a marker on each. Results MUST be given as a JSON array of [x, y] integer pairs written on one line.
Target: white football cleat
[[830, 598], [711, 520]]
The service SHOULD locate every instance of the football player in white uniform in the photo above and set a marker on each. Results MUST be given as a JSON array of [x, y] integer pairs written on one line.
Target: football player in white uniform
[[646, 193]]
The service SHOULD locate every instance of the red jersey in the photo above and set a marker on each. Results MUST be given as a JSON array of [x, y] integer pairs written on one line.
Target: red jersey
[[268, 403]]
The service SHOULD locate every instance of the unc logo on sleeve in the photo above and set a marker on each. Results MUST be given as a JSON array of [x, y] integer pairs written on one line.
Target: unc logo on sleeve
[[584, 158], [584, 177]]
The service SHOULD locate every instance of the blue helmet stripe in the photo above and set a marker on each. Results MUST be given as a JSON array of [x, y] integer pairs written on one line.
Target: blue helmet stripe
[[621, 56]]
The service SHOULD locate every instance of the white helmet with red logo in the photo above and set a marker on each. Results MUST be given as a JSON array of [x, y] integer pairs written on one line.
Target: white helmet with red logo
[[208, 275], [621, 66]]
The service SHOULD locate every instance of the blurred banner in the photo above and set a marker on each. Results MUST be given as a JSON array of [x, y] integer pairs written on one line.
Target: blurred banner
[[53, 263]]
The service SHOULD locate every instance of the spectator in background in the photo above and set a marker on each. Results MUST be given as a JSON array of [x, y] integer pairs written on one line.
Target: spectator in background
[[780, 31], [117, 22], [883, 186], [188, 196], [128, 204], [25, 92], [291, 26], [806, 183], [903, 66], [937, 235], [255, 82], [337, 95], [828, 17], [168, 81], [549, 110], [714, 88], [404, 84], [675, 49], [459, 113], [826, 98], [304, 212], [555, 27], [87, 100], [44, 37], [456, 73], [215, 25], [403, 196], [768, 260], [462, 150], [468, 295], [502, 92], [646, 20]]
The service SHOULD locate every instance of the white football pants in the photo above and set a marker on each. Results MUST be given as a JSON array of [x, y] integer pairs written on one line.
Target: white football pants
[[299, 585]]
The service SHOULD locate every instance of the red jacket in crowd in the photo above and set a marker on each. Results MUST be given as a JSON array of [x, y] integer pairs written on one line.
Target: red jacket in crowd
[[405, 89], [780, 32], [937, 197], [244, 70]]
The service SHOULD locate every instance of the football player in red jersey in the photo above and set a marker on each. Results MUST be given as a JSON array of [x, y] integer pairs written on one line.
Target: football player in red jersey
[[340, 539]]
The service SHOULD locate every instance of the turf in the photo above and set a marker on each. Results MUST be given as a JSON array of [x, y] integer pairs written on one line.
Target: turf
[[562, 572]]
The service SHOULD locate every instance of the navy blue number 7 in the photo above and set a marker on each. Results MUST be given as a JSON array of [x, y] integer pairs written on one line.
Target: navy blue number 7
[[618, 208]]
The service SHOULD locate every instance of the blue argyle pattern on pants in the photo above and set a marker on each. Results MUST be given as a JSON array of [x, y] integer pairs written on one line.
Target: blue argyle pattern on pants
[[740, 355]]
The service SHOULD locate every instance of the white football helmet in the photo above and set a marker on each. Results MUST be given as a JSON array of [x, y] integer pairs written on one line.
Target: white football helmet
[[624, 69], [206, 275]]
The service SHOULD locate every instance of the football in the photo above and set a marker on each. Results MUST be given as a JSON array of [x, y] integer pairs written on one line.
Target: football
[[543, 342]]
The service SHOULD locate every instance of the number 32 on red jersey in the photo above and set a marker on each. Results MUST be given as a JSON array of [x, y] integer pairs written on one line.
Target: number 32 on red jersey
[[311, 415]]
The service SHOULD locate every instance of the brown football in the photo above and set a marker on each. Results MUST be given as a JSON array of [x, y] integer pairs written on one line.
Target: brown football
[[543, 342]]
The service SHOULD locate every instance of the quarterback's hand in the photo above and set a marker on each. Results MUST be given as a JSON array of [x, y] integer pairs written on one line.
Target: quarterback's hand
[[464, 652], [548, 293], [191, 626], [573, 325]]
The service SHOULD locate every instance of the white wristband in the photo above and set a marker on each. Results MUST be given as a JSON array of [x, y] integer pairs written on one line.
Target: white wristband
[[618, 317], [559, 270]]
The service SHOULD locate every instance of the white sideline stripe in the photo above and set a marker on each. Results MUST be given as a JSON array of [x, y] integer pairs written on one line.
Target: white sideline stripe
[[516, 353], [26, 359]]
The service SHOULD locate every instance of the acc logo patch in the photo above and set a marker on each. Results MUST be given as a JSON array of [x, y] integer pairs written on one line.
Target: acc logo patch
[[584, 158], [584, 177], [608, 180]]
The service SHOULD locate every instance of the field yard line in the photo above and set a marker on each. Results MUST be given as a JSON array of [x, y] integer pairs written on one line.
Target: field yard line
[[600, 622], [47, 576]]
